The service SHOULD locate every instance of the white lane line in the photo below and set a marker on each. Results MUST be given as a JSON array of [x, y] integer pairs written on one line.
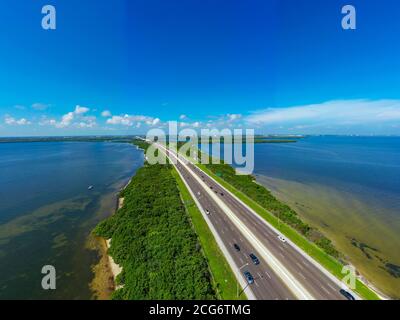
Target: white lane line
[[259, 275], [325, 289], [241, 240], [222, 230], [268, 274], [330, 286], [256, 283], [241, 260], [230, 243], [300, 266], [302, 275]]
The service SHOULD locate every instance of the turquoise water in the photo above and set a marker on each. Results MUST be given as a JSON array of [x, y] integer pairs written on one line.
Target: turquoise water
[[47, 212]]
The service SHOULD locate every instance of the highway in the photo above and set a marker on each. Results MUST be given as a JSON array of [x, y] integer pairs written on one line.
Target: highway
[[284, 272]]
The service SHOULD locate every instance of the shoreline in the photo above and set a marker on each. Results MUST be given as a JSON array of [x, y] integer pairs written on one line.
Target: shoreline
[[107, 270], [115, 268]]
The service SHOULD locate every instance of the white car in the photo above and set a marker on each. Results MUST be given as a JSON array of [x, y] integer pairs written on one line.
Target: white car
[[208, 211], [198, 193], [282, 238]]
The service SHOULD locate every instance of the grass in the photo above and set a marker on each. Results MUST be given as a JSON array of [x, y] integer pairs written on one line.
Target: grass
[[224, 279], [331, 264]]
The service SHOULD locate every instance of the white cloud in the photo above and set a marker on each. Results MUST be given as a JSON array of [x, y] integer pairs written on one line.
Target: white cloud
[[40, 106], [333, 113], [81, 110], [182, 117], [233, 117], [155, 121], [12, 121], [75, 118], [106, 114], [122, 120], [130, 120]]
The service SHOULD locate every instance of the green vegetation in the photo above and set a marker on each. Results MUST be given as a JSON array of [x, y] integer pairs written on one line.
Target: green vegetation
[[153, 241], [315, 245], [141, 144], [223, 278]]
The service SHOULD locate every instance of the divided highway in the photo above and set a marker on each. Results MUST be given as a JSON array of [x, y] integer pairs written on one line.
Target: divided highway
[[284, 271]]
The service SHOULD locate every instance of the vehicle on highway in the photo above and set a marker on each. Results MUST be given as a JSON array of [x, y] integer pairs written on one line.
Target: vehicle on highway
[[254, 258], [222, 194], [207, 211], [211, 187], [282, 238], [236, 246], [249, 277], [347, 294], [198, 193]]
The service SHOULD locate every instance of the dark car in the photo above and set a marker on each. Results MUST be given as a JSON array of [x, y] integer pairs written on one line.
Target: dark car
[[248, 277], [347, 294], [222, 194], [254, 259], [236, 246]]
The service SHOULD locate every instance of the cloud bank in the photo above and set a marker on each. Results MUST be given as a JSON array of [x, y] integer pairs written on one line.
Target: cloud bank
[[331, 114]]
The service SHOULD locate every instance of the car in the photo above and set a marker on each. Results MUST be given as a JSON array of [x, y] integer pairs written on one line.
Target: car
[[347, 294], [198, 193], [281, 238], [222, 194], [207, 211], [211, 187], [236, 246], [254, 258], [249, 277]]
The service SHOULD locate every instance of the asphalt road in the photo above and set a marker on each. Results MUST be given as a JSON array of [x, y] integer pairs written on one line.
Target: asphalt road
[[268, 281]]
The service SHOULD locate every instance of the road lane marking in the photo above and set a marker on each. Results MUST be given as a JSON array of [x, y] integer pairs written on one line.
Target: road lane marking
[[300, 266], [268, 274], [302, 275], [325, 289], [330, 286]]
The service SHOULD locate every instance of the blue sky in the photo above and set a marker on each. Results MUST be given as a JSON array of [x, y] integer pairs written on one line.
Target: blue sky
[[122, 67]]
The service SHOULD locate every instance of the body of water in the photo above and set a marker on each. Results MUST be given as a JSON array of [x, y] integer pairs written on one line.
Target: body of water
[[47, 212], [349, 188]]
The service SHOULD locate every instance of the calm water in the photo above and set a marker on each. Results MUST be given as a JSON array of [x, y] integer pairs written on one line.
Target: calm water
[[47, 211], [348, 187]]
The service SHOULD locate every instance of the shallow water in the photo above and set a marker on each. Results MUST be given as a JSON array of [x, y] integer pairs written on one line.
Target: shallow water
[[47, 212], [349, 187]]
